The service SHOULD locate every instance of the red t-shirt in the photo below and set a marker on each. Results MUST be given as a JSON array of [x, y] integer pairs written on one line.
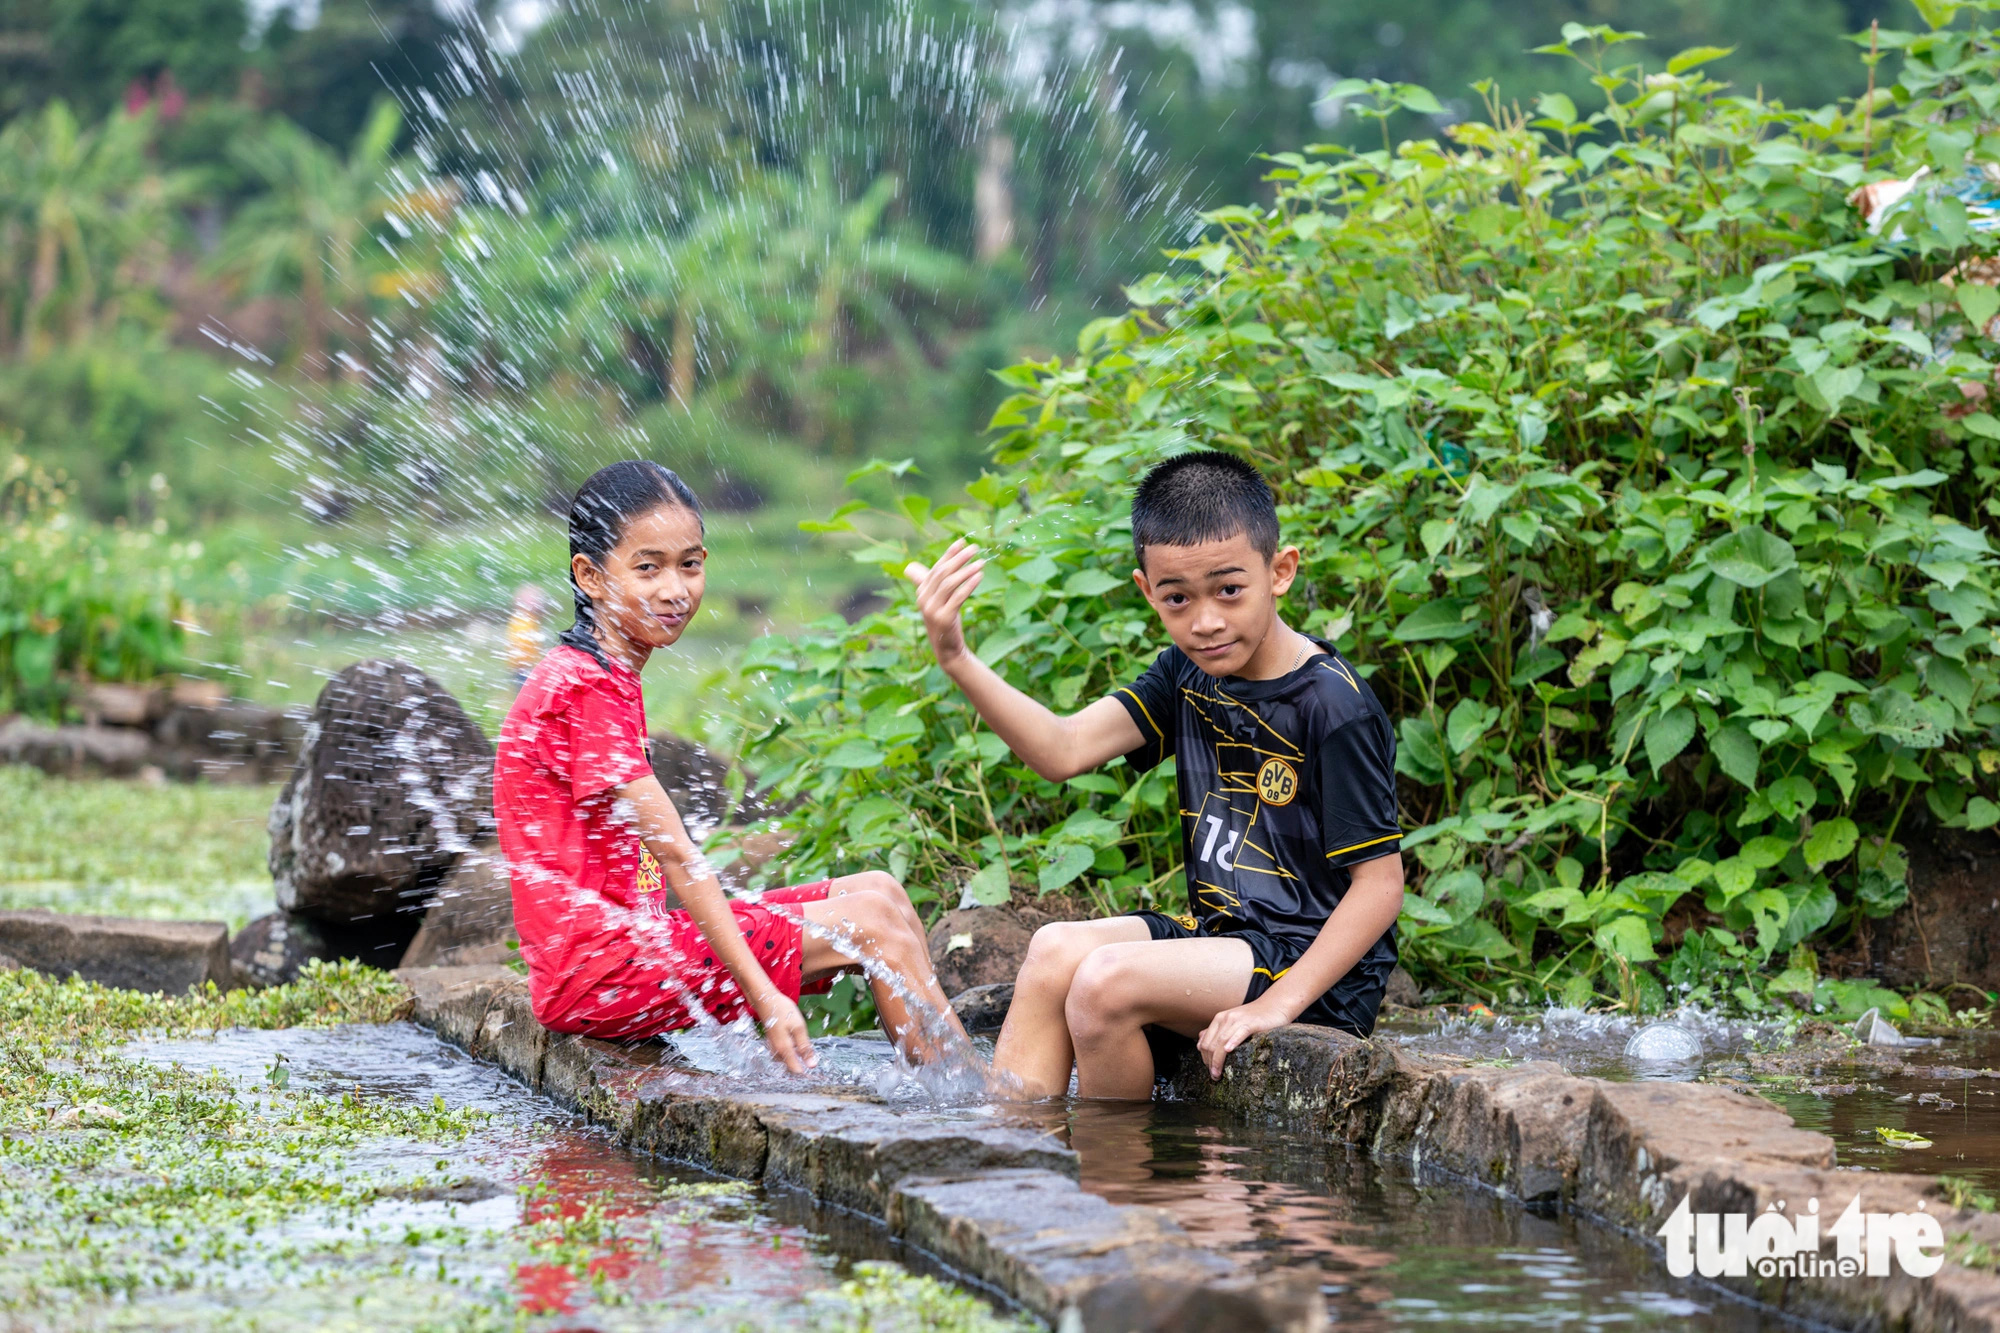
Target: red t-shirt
[[576, 731]]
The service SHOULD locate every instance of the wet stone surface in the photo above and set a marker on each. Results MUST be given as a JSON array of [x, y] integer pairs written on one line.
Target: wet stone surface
[[1388, 1248], [1947, 1093]]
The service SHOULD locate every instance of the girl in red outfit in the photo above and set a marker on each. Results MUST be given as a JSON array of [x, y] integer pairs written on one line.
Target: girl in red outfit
[[598, 854]]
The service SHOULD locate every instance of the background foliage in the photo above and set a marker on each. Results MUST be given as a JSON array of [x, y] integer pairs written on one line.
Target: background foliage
[[1650, 490]]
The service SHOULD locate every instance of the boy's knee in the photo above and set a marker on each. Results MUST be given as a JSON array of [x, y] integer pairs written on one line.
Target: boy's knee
[[1059, 943], [1100, 994]]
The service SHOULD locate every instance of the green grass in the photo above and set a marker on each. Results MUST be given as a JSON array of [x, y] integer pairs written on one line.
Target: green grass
[[119, 848]]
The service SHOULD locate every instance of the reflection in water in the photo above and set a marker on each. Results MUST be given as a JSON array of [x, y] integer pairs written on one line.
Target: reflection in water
[[1391, 1251], [534, 1212]]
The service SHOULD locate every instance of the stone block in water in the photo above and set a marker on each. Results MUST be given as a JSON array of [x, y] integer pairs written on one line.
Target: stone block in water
[[984, 1008], [394, 785], [169, 956]]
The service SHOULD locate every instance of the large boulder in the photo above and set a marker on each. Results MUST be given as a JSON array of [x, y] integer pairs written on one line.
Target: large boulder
[[170, 956], [472, 919], [984, 946], [225, 740], [271, 950], [394, 785], [698, 781]]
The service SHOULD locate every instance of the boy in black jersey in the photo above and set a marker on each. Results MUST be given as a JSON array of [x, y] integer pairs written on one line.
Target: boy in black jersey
[[1286, 766]]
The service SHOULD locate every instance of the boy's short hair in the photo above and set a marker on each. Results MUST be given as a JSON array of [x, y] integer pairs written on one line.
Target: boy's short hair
[[1203, 496]]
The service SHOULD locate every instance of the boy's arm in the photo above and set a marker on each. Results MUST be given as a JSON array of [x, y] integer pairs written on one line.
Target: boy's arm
[[1054, 746], [690, 876], [1370, 906]]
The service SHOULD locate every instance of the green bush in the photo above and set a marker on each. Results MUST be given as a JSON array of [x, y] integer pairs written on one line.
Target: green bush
[[78, 601], [1647, 486]]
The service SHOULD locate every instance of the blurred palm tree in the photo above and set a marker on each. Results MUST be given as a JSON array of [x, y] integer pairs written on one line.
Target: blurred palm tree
[[76, 206], [308, 231]]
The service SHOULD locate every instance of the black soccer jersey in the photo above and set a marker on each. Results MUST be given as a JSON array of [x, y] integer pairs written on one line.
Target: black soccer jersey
[[1284, 784]]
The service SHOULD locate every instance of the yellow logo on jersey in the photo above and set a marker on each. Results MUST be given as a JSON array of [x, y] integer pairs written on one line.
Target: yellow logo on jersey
[[650, 881], [1277, 784]]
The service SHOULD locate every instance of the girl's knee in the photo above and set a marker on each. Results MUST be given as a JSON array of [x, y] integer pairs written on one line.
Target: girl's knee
[[877, 882]]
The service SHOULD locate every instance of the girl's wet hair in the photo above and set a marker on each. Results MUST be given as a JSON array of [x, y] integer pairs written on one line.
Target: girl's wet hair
[[598, 517]]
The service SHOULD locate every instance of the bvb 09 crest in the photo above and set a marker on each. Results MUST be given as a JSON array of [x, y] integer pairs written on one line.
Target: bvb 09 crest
[[1277, 784]]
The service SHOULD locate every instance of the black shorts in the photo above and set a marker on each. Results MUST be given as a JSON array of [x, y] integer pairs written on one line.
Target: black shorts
[[1350, 1005]]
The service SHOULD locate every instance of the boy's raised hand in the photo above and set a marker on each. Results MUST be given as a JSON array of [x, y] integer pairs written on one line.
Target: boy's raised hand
[[941, 592]]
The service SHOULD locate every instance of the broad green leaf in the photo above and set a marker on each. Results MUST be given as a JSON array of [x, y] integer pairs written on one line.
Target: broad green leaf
[[1890, 713], [1831, 840], [855, 754], [1462, 893], [1629, 937], [1791, 797], [1423, 912], [1090, 583], [1667, 735], [1833, 386], [1696, 55], [1466, 724], [1736, 754], [1556, 107], [1441, 619], [1483, 499], [988, 887], [1979, 302], [1981, 813], [1069, 861], [1764, 852], [1751, 557], [1733, 876]]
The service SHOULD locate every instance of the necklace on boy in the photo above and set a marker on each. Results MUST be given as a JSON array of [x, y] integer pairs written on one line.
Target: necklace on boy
[[1305, 645]]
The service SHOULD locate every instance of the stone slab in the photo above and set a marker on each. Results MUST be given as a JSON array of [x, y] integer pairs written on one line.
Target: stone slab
[[995, 1204], [169, 956], [1623, 1153], [1075, 1259]]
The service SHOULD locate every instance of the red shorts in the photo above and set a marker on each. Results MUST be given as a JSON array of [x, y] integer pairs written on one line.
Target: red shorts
[[646, 995]]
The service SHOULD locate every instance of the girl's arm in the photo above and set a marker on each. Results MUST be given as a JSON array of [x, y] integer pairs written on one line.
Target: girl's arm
[[693, 880]]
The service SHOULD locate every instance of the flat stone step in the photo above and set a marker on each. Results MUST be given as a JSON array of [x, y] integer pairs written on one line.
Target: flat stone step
[[996, 1205], [125, 952]]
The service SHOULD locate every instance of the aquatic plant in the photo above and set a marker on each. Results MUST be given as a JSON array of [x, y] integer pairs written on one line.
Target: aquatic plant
[[1647, 483]]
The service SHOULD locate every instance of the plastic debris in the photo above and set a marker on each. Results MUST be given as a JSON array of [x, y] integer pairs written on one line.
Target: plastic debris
[[1664, 1042], [1871, 1029]]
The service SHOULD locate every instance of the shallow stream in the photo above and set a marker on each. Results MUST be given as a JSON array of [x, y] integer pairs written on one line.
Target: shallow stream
[[496, 1226], [671, 1246]]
